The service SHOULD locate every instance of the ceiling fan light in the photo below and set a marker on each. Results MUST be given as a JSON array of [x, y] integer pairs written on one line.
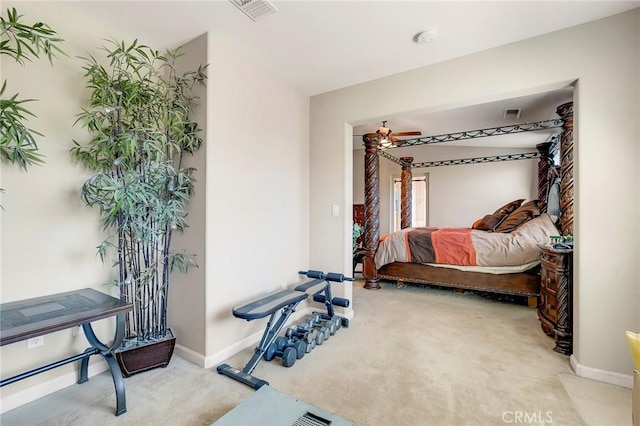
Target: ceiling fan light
[[385, 143]]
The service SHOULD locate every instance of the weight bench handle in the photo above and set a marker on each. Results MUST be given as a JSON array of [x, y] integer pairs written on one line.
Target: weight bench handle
[[332, 276], [329, 276]]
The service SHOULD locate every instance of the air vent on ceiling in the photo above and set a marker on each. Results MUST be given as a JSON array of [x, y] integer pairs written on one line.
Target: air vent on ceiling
[[255, 9], [511, 113]]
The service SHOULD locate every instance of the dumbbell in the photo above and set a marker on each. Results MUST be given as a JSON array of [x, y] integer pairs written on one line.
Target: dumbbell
[[299, 345], [312, 324], [283, 348], [307, 335], [336, 323], [301, 333], [333, 323], [324, 330]]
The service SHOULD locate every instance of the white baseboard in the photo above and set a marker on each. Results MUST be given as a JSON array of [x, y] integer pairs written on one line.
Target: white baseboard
[[9, 402], [209, 361], [610, 377], [229, 351], [190, 355]]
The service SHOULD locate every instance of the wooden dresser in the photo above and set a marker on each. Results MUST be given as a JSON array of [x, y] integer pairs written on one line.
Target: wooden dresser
[[555, 305]]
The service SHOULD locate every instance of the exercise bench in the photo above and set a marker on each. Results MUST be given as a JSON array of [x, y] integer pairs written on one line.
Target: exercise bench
[[279, 305]]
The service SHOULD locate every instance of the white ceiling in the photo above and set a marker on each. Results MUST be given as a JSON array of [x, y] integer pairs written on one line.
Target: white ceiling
[[319, 46], [533, 108]]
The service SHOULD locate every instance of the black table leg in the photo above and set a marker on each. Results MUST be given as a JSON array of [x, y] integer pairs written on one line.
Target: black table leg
[[107, 353]]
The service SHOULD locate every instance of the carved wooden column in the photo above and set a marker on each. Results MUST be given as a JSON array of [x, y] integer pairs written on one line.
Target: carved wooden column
[[564, 307], [405, 193], [371, 209], [565, 111], [543, 175]]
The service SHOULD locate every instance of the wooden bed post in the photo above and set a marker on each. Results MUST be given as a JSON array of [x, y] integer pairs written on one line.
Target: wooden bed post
[[543, 174], [405, 194], [371, 209], [565, 111]]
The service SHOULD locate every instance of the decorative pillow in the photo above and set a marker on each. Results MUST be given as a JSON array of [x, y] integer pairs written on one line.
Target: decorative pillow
[[489, 222], [508, 208], [522, 214]]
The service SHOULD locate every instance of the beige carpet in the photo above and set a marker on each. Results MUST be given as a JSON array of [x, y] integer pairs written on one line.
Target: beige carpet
[[411, 356]]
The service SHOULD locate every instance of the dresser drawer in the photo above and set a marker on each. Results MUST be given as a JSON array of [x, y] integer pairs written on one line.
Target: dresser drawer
[[553, 261], [547, 306], [549, 280]]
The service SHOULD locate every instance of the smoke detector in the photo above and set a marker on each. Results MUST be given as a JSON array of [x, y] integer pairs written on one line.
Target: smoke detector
[[255, 9], [426, 36]]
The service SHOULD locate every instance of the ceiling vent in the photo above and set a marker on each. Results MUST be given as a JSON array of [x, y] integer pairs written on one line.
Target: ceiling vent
[[511, 113], [255, 9]]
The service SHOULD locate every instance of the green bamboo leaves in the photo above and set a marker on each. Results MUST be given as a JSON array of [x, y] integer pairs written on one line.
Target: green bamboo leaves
[[22, 42], [139, 122]]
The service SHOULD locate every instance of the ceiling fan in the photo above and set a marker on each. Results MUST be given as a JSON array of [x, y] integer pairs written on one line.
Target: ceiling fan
[[391, 138]]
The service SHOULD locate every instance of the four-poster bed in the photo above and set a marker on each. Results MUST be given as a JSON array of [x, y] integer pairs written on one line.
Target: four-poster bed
[[524, 283]]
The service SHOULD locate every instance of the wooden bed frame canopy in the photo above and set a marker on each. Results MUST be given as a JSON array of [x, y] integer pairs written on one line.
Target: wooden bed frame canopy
[[408, 161], [418, 273]]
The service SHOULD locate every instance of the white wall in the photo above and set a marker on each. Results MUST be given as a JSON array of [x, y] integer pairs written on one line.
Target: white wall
[[186, 293], [257, 187], [458, 195], [249, 220], [603, 57]]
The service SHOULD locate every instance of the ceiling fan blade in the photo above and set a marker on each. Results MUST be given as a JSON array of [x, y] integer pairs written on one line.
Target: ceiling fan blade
[[415, 133]]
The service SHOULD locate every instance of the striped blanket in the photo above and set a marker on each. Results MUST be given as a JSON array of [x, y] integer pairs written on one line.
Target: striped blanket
[[466, 246]]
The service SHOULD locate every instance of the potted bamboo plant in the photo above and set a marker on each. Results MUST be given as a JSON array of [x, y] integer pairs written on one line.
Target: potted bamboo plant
[[140, 126]]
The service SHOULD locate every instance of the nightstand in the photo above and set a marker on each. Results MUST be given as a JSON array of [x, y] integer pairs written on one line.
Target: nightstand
[[555, 305]]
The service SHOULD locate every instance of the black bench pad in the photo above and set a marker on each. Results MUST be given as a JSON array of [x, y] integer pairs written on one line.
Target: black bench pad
[[269, 304]]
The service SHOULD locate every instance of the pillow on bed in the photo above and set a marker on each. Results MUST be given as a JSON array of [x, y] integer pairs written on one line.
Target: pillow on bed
[[508, 208], [522, 214], [491, 221]]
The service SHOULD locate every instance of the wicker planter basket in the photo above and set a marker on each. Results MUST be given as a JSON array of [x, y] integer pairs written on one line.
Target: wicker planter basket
[[147, 356]]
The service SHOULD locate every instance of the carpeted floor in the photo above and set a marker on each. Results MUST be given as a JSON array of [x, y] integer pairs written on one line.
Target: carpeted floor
[[411, 356]]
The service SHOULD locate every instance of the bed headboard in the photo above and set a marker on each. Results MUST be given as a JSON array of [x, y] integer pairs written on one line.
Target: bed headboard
[[550, 178]]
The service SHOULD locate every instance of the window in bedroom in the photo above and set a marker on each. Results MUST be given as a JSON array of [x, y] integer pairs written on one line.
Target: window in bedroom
[[419, 201]]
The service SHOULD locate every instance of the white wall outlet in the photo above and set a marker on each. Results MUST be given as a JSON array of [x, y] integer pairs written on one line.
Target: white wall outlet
[[35, 342], [335, 210]]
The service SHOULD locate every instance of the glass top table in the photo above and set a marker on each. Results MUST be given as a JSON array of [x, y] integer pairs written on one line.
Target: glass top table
[[29, 318]]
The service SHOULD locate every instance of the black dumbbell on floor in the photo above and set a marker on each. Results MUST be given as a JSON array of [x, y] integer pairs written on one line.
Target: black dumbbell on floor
[[288, 350], [334, 323], [324, 327], [301, 333], [312, 325]]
